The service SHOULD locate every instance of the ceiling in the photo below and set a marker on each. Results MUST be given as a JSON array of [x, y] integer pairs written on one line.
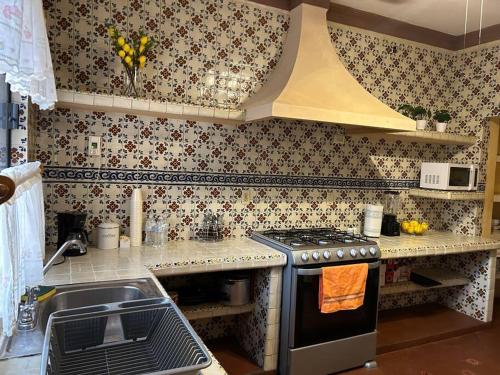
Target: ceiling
[[447, 16]]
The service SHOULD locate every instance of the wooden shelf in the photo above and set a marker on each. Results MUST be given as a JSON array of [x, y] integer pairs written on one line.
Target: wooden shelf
[[448, 195], [447, 279], [122, 104], [498, 158], [211, 310], [421, 136], [496, 198]]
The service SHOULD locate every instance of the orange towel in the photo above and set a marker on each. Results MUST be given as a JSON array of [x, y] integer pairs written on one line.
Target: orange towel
[[342, 287]]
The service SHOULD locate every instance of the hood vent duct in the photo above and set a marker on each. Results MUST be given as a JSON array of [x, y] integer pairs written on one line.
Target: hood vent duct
[[310, 83]]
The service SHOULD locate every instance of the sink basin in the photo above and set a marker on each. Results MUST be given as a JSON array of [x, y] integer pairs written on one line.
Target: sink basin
[[75, 296]]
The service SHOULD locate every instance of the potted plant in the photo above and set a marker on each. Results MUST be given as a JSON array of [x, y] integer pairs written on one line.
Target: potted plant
[[418, 113], [442, 117]]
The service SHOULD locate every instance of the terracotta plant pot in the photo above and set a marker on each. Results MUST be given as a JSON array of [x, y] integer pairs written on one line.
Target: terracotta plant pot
[[441, 126], [421, 124]]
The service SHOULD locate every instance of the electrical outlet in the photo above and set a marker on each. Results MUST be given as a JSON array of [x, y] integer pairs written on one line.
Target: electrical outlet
[[94, 147]]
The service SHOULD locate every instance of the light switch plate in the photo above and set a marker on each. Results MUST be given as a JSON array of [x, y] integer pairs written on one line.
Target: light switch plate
[[94, 147]]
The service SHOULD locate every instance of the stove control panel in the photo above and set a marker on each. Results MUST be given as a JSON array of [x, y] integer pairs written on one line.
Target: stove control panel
[[318, 256]]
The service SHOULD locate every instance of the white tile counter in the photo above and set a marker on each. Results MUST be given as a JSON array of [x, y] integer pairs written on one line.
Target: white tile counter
[[433, 243], [179, 257]]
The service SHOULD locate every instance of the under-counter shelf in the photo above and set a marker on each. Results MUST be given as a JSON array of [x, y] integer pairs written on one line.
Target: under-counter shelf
[[448, 195], [214, 309], [447, 279], [421, 136], [122, 104]]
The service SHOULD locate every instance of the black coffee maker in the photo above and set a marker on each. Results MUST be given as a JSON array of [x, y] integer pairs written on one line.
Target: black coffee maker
[[71, 226], [390, 224]]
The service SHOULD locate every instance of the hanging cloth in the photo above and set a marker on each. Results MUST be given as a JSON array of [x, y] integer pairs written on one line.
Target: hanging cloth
[[24, 51]]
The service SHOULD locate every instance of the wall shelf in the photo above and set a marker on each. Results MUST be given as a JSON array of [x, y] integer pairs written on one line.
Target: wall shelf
[[421, 136], [447, 279], [447, 195], [122, 104], [211, 310]]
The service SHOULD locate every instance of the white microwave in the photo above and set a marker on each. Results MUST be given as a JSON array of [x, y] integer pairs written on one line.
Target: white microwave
[[449, 176]]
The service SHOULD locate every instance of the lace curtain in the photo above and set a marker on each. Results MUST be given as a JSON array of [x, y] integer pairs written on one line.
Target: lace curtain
[[24, 51]]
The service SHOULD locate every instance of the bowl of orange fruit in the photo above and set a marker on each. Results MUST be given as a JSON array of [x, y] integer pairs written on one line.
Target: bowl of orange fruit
[[414, 227]]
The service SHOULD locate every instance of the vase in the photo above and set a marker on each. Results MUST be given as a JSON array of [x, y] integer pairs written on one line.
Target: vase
[[421, 124], [441, 126], [133, 83]]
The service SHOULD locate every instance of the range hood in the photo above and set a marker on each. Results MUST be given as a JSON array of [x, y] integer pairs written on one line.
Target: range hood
[[310, 83]]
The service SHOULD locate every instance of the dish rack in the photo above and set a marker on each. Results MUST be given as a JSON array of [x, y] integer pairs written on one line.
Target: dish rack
[[139, 337]]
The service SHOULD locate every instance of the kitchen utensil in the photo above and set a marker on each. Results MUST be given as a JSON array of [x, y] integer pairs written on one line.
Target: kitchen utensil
[[390, 224], [373, 220], [236, 290]]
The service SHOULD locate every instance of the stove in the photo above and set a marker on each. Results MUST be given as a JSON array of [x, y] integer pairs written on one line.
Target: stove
[[311, 342], [319, 245]]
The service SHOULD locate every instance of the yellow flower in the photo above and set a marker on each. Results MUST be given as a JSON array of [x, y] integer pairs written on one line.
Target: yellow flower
[[121, 53], [130, 64], [141, 65], [141, 49], [144, 40], [121, 41], [128, 59], [131, 52], [142, 59], [111, 31], [126, 47]]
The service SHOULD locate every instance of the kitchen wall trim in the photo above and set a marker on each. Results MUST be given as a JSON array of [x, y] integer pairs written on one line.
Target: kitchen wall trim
[[389, 26], [157, 177]]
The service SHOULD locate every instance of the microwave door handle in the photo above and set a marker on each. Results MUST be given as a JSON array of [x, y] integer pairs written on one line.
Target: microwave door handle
[[319, 271]]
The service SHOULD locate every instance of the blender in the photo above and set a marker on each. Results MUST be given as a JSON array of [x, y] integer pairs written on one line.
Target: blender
[[390, 225]]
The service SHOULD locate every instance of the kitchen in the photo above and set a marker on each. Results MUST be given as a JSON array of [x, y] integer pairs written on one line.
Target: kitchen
[[209, 133]]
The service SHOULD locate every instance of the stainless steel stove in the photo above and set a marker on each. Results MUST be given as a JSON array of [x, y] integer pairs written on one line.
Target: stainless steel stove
[[311, 342]]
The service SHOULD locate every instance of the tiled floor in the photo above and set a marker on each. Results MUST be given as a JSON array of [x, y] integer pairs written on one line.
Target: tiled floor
[[476, 353]]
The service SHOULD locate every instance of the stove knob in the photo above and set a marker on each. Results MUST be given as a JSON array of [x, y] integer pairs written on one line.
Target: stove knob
[[363, 252], [304, 257], [327, 254], [316, 255], [373, 251], [353, 253], [340, 253]]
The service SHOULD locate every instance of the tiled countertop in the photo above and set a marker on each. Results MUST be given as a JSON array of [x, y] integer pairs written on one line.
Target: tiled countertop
[[179, 257], [433, 243]]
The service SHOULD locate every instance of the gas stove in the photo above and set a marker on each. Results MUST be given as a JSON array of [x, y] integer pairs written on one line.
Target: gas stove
[[319, 245]]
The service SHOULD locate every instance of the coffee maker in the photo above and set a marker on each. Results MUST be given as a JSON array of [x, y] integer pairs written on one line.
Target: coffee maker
[[70, 226], [390, 225]]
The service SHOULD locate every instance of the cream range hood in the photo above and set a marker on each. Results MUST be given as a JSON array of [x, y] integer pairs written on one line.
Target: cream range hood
[[310, 83]]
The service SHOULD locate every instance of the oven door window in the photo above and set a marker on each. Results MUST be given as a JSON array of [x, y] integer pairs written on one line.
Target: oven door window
[[459, 176], [313, 327]]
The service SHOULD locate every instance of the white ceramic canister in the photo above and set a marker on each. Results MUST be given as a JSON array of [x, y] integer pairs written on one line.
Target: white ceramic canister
[[373, 220], [108, 236]]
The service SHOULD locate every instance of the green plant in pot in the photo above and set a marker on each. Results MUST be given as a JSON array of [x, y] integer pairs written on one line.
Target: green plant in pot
[[417, 113], [442, 117]]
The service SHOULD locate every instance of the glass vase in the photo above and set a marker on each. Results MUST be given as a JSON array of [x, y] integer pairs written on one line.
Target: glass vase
[[133, 83]]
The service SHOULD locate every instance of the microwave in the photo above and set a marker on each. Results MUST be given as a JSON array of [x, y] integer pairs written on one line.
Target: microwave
[[449, 176]]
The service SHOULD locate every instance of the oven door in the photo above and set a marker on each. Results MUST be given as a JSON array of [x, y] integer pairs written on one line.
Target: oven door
[[308, 326]]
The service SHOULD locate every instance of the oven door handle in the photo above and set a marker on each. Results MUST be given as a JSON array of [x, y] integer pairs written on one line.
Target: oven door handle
[[319, 271]]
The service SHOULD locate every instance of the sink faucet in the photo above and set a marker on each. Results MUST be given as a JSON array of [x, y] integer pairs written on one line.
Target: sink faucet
[[28, 311]]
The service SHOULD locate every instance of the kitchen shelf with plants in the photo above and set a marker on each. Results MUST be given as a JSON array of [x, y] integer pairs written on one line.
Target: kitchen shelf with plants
[[447, 278], [447, 195], [421, 136], [123, 104], [214, 309]]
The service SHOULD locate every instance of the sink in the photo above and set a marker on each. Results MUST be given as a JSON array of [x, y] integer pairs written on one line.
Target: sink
[[75, 296]]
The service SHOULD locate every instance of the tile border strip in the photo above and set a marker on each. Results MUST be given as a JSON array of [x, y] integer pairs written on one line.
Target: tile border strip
[[131, 176]]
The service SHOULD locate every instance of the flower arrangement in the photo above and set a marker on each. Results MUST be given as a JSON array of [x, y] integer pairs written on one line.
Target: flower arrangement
[[133, 53]]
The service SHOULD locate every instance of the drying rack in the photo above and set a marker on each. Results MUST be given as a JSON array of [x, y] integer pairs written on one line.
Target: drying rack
[[8, 187]]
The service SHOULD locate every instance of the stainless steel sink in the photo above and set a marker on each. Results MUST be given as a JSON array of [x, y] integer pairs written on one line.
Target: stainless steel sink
[[74, 296]]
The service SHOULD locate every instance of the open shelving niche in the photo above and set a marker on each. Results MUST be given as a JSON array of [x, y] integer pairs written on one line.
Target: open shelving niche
[[115, 103], [447, 279]]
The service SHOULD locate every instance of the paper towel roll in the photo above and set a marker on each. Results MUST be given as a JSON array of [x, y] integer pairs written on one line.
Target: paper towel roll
[[136, 218]]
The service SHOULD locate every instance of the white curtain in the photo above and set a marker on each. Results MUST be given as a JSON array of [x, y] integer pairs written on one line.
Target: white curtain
[[22, 240], [24, 51]]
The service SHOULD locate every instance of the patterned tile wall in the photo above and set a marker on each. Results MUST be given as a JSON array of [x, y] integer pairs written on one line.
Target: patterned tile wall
[[217, 53]]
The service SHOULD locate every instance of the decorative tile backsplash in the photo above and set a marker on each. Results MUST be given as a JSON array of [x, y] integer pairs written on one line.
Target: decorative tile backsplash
[[269, 174]]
